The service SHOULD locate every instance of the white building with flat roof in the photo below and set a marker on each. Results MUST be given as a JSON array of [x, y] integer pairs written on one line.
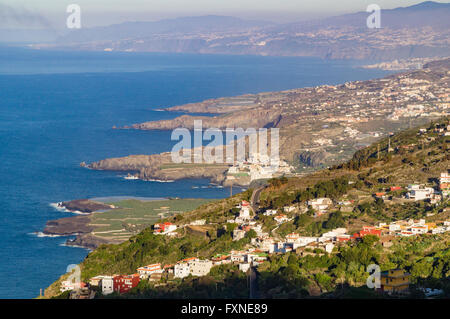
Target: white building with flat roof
[[418, 192], [148, 270], [200, 267], [181, 270]]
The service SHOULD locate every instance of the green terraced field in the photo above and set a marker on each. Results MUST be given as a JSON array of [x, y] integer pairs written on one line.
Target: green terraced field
[[134, 215]]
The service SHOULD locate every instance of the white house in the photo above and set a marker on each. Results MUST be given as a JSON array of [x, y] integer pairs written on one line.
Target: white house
[[281, 218], [445, 178], [148, 270], [320, 204], [200, 267], [244, 213], [265, 244], [303, 241], [416, 230], [394, 227], [270, 212], [181, 270], [418, 192]]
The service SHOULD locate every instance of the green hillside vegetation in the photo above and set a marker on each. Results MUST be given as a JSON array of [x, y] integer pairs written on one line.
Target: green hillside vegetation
[[414, 158]]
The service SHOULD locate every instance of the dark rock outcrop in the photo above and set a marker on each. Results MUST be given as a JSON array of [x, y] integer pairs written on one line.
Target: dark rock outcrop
[[84, 205], [88, 241], [68, 226]]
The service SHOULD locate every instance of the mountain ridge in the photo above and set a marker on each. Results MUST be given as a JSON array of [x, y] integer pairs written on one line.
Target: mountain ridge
[[420, 31]]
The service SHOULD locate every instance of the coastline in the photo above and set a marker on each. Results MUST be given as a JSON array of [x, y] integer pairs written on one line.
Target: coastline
[[53, 176], [89, 228], [330, 122]]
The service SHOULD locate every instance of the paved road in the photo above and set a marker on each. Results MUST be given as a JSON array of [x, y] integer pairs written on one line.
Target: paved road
[[254, 200]]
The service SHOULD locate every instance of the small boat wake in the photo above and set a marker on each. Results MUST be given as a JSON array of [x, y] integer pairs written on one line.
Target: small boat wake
[[65, 244], [160, 181], [41, 235], [59, 207]]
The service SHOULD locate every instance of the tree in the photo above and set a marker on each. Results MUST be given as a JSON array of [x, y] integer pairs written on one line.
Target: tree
[[231, 227], [251, 234], [302, 220], [334, 221], [422, 269], [370, 240]]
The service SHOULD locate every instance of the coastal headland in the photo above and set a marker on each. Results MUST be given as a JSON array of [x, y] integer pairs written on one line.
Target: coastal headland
[[319, 126], [115, 222]]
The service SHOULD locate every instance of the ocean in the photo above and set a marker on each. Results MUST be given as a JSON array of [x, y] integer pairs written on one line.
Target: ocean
[[57, 109]]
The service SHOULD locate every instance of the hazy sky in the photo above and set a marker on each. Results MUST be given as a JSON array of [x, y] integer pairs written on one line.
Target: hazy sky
[[42, 13]]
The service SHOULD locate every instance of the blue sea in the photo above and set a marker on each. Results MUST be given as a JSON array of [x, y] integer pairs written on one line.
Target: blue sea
[[57, 109]]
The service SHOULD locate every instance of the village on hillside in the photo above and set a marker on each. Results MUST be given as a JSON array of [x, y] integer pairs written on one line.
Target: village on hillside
[[264, 244]]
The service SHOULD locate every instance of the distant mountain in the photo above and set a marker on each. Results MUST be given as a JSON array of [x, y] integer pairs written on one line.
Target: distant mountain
[[427, 5], [431, 14], [422, 30]]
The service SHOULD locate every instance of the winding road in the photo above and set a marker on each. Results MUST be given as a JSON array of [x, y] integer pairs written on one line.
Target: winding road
[[254, 200]]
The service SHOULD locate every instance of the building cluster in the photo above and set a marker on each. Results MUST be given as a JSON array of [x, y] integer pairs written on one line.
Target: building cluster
[[320, 205], [419, 192], [245, 221], [258, 252], [257, 167], [410, 228], [263, 244], [78, 290]]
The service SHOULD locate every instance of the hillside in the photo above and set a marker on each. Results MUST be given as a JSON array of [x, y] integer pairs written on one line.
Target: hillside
[[416, 155]]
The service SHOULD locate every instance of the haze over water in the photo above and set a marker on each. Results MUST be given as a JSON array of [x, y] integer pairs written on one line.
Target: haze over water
[[57, 109]]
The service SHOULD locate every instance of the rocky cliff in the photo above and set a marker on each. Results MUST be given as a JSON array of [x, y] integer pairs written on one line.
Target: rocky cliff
[[161, 167], [241, 119]]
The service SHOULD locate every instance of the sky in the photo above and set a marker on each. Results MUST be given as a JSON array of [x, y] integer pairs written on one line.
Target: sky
[[52, 13]]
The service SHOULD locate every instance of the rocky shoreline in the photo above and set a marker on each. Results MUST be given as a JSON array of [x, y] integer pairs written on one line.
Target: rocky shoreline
[[84, 206], [160, 167], [79, 225]]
